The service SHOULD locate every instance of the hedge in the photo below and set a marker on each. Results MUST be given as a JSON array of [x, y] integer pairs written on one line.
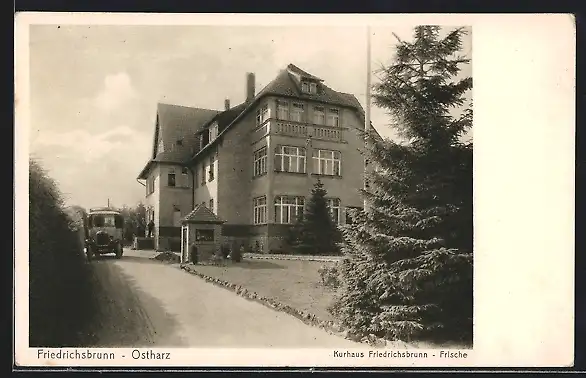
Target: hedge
[[58, 273]]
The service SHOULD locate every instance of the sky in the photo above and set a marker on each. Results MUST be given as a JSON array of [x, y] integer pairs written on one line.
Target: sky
[[94, 88]]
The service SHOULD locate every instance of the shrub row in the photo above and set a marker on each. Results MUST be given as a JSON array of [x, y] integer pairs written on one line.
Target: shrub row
[[58, 273], [306, 317]]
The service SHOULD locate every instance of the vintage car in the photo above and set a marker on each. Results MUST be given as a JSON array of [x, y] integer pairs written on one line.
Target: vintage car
[[104, 230]]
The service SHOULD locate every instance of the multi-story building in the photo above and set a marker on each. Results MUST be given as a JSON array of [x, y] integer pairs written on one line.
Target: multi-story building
[[254, 164]]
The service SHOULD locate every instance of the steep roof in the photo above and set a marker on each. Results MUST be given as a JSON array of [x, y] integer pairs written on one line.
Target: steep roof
[[201, 214], [285, 85], [177, 122]]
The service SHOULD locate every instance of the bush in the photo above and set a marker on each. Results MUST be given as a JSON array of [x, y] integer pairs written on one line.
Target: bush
[[236, 254], [329, 276], [58, 274], [225, 251]]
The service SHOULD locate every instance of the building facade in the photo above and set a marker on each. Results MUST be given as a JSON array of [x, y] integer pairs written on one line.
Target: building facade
[[254, 164]]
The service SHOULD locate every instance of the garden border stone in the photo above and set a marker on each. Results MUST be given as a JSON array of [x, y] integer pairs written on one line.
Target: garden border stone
[[294, 258]]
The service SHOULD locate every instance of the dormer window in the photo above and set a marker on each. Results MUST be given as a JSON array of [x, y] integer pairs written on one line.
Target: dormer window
[[205, 139], [213, 132], [308, 87], [312, 88]]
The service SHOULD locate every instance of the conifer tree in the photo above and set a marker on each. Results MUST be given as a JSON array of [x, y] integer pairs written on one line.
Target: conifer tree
[[407, 271], [314, 232]]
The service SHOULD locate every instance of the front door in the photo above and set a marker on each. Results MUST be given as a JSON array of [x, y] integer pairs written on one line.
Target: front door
[[177, 217]]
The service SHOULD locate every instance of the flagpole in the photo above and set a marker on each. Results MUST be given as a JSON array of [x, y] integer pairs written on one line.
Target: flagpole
[[367, 110], [368, 78]]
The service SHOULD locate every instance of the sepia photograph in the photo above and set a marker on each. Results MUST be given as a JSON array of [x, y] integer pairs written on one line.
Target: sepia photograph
[[250, 187]]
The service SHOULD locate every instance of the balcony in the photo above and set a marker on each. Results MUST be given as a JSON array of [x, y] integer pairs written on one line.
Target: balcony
[[301, 130]]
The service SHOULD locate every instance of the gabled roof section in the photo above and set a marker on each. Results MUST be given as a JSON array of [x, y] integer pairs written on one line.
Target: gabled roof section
[[201, 214], [285, 85], [174, 123], [177, 122]]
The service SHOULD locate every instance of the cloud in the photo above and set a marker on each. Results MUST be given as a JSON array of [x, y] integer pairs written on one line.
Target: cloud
[[117, 91], [90, 168], [88, 147]]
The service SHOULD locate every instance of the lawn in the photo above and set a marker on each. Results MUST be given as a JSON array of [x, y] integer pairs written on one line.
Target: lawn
[[291, 282]]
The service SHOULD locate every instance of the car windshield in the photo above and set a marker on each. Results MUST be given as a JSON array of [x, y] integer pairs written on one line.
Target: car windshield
[[103, 220]]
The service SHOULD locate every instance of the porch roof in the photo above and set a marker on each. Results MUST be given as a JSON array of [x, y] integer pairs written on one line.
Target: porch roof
[[201, 214]]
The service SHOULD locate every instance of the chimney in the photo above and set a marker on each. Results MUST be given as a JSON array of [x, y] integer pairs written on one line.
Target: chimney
[[250, 86], [227, 104]]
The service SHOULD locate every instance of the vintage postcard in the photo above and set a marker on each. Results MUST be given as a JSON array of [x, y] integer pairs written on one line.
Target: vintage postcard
[[312, 191]]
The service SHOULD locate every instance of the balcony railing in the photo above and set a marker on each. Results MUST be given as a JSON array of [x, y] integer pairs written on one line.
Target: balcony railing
[[328, 133], [289, 128], [303, 131]]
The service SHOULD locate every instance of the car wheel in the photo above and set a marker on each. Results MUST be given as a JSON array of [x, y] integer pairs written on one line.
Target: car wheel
[[118, 251]]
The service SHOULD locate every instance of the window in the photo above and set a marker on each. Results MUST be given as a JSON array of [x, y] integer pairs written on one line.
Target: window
[[290, 159], [213, 132], [179, 142], [211, 171], [205, 139], [327, 162], [185, 177], [297, 112], [203, 173], [305, 87], [109, 221], [288, 209], [282, 110], [105, 220], [150, 215], [118, 221], [204, 235], [333, 117], [212, 205], [259, 205], [313, 88], [260, 162], [171, 177], [160, 146], [334, 208], [196, 176], [262, 114], [150, 185], [319, 115]]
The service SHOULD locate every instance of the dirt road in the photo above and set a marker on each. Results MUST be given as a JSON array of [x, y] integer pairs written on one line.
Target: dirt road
[[140, 302]]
